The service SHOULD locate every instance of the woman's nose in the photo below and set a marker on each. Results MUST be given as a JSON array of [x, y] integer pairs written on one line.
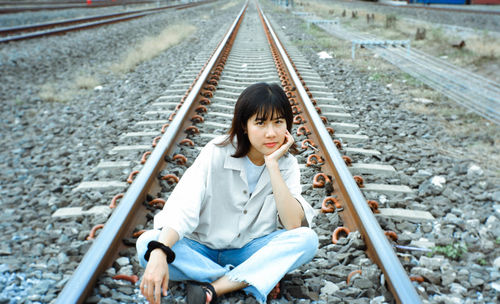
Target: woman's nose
[[271, 131]]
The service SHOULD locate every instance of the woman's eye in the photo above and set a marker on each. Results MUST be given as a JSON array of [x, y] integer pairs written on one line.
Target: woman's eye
[[259, 123], [279, 121]]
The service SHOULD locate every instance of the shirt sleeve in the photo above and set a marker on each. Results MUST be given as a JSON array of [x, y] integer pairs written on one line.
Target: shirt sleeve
[[182, 209], [293, 183]]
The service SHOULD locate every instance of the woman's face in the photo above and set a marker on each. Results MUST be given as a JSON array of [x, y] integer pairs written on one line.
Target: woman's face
[[265, 136]]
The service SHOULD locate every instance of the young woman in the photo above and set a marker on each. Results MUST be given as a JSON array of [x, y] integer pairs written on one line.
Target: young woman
[[236, 219]]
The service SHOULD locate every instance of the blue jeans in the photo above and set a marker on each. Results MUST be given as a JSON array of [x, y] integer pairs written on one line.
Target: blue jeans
[[261, 263]]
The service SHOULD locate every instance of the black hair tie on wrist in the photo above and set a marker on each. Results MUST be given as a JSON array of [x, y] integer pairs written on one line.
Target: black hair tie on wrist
[[155, 245]]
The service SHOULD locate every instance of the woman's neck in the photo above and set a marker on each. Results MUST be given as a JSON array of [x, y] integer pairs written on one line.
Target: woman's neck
[[256, 158]]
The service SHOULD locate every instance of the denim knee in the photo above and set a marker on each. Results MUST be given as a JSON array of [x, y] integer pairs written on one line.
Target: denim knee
[[142, 244], [307, 240]]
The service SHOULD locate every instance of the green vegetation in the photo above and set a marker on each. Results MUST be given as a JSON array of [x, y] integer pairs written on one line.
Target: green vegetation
[[322, 41], [410, 80], [453, 251], [482, 262], [381, 77], [437, 35]]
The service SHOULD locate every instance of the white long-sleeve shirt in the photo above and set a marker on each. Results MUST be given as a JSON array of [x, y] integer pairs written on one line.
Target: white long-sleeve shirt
[[211, 203]]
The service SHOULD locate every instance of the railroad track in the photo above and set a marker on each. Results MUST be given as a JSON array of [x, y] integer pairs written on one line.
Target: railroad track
[[470, 90], [20, 7], [63, 26], [190, 114], [459, 9]]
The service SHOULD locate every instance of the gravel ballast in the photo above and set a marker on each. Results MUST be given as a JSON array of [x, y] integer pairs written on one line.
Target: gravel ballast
[[462, 196], [49, 147]]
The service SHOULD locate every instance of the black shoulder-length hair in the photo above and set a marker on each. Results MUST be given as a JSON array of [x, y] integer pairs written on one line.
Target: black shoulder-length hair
[[265, 100]]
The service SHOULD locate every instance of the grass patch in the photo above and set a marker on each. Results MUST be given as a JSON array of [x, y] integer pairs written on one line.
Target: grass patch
[[482, 262], [437, 35], [229, 5], [322, 38], [453, 251], [82, 79], [67, 90], [152, 46], [380, 77], [49, 93], [412, 81], [86, 82], [417, 108]]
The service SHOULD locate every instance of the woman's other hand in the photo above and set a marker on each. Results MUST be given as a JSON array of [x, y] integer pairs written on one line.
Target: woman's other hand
[[276, 155], [155, 277]]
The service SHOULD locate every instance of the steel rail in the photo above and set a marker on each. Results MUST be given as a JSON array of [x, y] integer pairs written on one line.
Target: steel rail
[[104, 250], [434, 63], [465, 95], [38, 26], [429, 61], [477, 85], [467, 90], [17, 3], [109, 19], [66, 29], [478, 78], [18, 9], [470, 90], [359, 215]]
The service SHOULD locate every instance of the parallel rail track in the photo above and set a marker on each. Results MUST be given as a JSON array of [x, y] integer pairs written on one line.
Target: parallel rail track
[[214, 90], [20, 7], [471, 90], [60, 27]]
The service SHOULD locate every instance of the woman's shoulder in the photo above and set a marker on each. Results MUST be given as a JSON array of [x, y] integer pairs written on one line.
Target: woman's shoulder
[[219, 146], [214, 153], [220, 142]]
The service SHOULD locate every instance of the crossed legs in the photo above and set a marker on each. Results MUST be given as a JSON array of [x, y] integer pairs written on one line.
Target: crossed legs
[[256, 268]]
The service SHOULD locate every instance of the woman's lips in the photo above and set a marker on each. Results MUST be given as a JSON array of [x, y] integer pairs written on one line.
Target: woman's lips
[[270, 145]]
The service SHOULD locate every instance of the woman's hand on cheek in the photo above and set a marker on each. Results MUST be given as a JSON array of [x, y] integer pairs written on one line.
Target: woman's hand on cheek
[[276, 155]]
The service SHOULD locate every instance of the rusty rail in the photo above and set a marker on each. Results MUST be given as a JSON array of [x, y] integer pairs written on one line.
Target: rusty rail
[[39, 6], [77, 24], [131, 208], [128, 213], [356, 214]]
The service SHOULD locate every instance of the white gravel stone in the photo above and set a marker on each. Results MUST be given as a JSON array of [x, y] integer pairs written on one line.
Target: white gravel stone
[[438, 181], [474, 171], [496, 285], [431, 263], [122, 261], [378, 300], [496, 263], [330, 288]]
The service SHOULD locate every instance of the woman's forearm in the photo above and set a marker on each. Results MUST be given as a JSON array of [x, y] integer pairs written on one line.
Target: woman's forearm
[[289, 209], [168, 236]]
